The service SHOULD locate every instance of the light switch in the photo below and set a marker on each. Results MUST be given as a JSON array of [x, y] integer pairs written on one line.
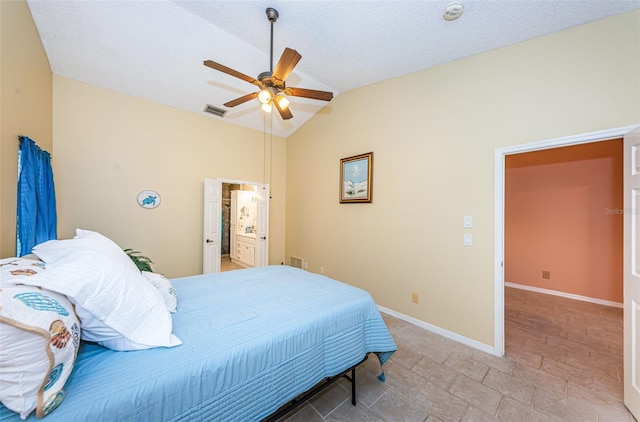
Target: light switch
[[467, 240], [467, 221]]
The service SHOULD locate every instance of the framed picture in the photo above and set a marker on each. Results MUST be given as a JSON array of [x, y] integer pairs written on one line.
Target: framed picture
[[356, 181]]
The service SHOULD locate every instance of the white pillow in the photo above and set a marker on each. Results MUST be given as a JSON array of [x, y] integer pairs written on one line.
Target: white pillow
[[117, 307], [165, 288], [40, 335], [55, 250], [106, 246]]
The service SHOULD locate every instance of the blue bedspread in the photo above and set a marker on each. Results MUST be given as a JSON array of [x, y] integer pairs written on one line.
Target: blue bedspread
[[252, 340]]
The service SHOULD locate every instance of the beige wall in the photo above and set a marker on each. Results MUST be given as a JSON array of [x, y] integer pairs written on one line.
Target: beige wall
[[434, 134], [25, 105], [109, 147]]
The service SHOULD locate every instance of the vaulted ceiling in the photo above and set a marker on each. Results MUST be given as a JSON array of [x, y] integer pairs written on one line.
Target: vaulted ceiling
[[155, 49]]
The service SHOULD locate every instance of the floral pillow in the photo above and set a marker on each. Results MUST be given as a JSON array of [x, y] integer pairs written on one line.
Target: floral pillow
[[119, 309], [12, 270], [40, 336]]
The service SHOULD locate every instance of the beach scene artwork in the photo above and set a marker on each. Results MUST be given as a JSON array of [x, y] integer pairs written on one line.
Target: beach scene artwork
[[355, 179]]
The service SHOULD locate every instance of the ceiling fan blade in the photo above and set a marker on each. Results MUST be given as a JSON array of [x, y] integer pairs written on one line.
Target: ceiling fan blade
[[287, 62], [241, 100], [309, 93], [285, 113], [229, 71]]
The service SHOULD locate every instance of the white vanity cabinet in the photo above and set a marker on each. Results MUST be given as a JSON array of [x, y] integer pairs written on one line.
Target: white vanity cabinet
[[242, 231], [246, 250]]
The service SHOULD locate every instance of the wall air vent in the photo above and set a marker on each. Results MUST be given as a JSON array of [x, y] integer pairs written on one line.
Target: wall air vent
[[296, 262], [220, 112]]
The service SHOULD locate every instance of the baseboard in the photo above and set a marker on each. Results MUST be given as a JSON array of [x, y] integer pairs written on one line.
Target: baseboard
[[565, 295], [434, 329]]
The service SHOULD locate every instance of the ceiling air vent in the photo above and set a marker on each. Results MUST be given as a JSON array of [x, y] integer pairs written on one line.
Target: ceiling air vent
[[220, 112]]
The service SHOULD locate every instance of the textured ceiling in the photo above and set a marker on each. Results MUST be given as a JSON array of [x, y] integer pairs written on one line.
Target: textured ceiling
[[154, 49]]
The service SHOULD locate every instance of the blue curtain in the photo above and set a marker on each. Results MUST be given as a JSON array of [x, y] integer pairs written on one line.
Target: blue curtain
[[36, 219]]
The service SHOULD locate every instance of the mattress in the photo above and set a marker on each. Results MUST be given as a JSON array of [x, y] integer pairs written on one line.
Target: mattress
[[252, 339]]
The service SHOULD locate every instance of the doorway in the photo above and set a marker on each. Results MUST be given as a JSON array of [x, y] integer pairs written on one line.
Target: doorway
[[499, 234], [563, 222], [219, 238], [237, 246], [631, 135], [563, 265]]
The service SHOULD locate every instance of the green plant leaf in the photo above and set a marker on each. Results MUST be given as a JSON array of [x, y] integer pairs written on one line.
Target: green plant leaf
[[142, 262]]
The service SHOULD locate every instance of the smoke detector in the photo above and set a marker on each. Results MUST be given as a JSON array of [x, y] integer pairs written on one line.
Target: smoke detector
[[453, 11]]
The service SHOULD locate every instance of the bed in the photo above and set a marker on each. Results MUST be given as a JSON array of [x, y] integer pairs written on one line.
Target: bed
[[252, 341]]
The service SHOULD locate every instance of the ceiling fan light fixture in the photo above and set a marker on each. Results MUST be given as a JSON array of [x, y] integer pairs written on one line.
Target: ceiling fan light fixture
[[265, 96], [272, 83], [282, 101], [266, 107]]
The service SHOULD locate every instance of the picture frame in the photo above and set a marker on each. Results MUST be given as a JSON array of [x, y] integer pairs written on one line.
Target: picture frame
[[356, 179]]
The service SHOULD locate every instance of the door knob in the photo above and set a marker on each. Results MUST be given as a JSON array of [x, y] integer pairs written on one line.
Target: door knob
[[210, 241]]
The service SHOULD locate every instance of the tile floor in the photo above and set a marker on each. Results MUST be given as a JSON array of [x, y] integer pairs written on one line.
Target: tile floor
[[227, 265], [563, 363]]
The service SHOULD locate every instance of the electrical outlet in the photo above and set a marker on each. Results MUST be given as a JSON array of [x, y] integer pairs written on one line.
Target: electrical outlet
[[306, 265], [546, 275], [321, 270], [415, 298]]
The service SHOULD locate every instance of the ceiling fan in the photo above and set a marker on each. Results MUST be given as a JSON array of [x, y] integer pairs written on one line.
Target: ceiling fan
[[272, 84]]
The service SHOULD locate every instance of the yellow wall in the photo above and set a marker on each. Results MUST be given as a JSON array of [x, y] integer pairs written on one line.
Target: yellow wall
[[434, 134], [109, 147], [25, 105]]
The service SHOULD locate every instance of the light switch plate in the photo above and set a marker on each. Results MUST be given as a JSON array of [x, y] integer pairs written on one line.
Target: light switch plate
[[467, 240], [467, 221]]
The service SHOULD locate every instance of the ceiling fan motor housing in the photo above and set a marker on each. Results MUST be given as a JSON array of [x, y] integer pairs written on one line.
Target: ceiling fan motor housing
[[265, 77]]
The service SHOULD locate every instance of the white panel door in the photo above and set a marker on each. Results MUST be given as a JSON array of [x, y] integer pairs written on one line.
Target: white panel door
[[262, 226], [212, 223], [632, 272]]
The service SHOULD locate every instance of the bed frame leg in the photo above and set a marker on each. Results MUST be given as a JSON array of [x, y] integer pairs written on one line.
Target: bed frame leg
[[315, 390], [353, 386]]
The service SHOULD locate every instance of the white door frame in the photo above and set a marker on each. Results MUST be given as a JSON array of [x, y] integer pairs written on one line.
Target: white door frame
[[498, 262], [258, 185]]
